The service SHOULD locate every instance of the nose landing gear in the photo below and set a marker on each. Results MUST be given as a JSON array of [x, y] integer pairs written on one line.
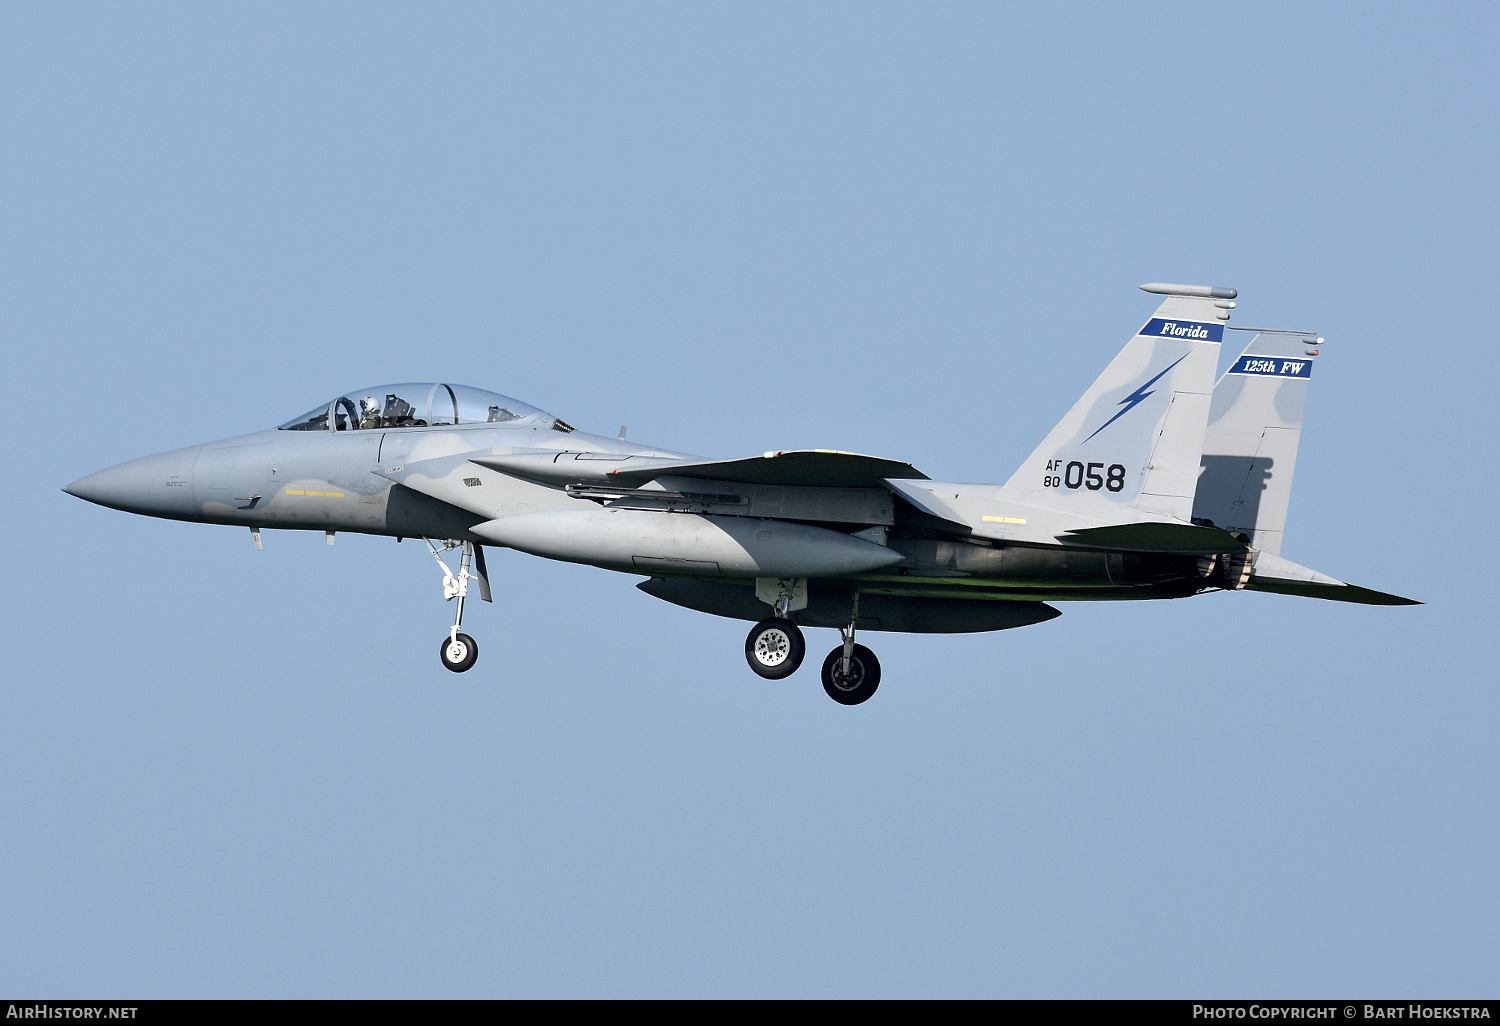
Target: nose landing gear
[[459, 652]]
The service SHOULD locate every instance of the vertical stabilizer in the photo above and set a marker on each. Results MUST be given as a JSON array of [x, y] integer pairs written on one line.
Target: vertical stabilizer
[[1250, 448], [1133, 442]]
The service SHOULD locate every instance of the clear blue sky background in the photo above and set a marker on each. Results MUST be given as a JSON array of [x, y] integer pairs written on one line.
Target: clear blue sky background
[[914, 231]]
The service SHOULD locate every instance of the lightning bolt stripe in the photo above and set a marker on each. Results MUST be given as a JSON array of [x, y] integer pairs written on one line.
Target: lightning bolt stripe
[[1137, 397]]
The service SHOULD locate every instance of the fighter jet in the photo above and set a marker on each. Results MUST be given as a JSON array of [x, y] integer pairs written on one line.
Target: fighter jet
[[1159, 483]]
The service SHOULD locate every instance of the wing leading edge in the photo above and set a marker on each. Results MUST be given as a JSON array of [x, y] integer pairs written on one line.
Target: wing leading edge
[[827, 468]]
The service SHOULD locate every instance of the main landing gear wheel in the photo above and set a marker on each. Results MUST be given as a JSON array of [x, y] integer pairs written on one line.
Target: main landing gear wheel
[[859, 683], [775, 648], [459, 652]]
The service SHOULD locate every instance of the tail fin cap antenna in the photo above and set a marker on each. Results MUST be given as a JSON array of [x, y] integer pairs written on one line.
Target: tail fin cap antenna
[[1202, 291]]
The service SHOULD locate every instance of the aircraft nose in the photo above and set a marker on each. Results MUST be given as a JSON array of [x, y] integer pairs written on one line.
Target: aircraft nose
[[156, 486]]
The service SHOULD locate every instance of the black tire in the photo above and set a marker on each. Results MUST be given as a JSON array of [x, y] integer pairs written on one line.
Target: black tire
[[774, 648], [863, 679], [466, 655]]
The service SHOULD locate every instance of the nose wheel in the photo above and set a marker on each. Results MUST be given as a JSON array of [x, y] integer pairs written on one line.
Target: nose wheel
[[459, 652]]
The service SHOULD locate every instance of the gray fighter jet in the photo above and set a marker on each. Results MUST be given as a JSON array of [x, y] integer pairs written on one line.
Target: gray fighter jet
[[1158, 483]]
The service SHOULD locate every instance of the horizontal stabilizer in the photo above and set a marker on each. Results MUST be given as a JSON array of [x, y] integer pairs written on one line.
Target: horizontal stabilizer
[[1336, 592], [1283, 577], [817, 467], [1177, 539]]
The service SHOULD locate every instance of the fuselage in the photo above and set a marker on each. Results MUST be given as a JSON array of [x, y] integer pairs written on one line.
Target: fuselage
[[330, 481], [327, 479]]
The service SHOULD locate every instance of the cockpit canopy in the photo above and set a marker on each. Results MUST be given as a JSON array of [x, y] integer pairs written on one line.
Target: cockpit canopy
[[423, 404]]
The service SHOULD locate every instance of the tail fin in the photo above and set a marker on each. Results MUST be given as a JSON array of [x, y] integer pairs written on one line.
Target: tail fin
[[1134, 440], [1250, 448]]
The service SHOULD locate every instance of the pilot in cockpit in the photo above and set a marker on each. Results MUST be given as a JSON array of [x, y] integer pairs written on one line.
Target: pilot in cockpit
[[369, 412]]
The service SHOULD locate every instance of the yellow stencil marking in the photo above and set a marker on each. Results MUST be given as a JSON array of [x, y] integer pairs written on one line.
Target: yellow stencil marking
[[316, 495], [1006, 520]]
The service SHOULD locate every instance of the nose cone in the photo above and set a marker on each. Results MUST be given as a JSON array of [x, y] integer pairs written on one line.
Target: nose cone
[[155, 486]]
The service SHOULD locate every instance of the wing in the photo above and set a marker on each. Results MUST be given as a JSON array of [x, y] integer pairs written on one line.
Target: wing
[[816, 485], [826, 468]]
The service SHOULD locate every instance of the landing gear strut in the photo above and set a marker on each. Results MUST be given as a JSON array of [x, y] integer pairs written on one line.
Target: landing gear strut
[[459, 651], [851, 673]]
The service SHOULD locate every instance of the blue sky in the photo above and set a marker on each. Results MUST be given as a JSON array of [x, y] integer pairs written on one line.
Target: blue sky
[[913, 231]]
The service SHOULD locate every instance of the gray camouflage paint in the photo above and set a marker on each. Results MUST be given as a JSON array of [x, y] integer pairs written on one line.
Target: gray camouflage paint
[[1129, 452]]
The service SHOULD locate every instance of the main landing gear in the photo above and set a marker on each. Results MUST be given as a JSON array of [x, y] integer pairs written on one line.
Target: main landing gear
[[459, 652], [851, 673], [775, 647]]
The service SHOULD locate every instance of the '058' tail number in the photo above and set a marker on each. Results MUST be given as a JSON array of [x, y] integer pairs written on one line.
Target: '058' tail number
[[1084, 475]]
